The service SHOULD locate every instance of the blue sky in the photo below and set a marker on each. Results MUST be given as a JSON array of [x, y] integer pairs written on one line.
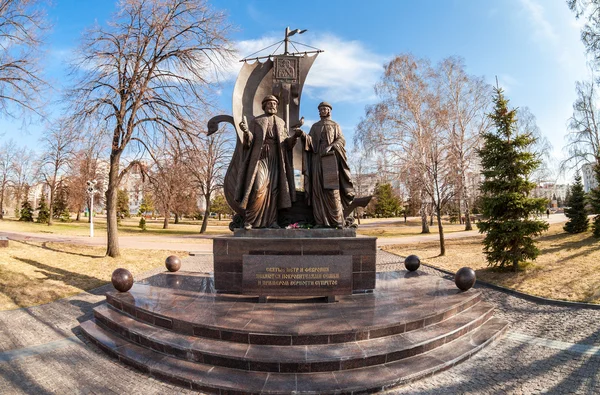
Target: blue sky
[[533, 47]]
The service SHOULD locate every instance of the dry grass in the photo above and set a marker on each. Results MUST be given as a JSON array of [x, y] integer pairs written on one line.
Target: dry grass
[[398, 229], [37, 273], [568, 267], [128, 227]]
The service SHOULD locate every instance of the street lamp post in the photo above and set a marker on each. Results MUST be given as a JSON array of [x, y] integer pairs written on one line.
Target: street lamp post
[[91, 190]]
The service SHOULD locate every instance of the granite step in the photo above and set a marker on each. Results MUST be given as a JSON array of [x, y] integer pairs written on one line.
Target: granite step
[[241, 320], [293, 358], [223, 380]]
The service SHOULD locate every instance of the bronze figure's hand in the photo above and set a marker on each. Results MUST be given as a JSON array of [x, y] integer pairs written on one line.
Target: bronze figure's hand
[[244, 127], [298, 133], [328, 149]]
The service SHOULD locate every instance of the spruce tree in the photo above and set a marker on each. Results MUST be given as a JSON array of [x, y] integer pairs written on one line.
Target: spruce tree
[[507, 209], [578, 221], [387, 204], [122, 204], [60, 203], [26, 213], [43, 211], [594, 200]]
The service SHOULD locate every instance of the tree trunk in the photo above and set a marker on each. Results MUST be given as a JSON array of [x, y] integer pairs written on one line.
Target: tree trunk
[[460, 221], [468, 225], [424, 224], [2, 203], [176, 218], [438, 210], [89, 211], [219, 216], [112, 247], [51, 204], [206, 214], [167, 215], [78, 213]]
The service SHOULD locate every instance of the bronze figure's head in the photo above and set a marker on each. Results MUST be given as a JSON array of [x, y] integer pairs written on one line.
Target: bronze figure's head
[[269, 104], [324, 109]]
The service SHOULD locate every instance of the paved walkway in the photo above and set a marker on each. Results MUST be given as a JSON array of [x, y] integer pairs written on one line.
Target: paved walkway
[[548, 349]]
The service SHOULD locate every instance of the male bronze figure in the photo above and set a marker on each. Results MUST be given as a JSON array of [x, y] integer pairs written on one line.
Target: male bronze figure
[[266, 180], [327, 183]]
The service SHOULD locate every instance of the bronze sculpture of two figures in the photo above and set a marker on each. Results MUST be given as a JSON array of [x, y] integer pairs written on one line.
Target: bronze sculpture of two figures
[[277, 176], [266, 179]]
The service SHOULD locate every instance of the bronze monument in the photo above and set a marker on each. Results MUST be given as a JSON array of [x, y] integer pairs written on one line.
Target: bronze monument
[[266, 181], [327, 182], [280, 178]]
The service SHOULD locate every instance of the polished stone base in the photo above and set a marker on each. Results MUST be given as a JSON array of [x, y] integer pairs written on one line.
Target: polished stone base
[[229, 252], [176, 327]]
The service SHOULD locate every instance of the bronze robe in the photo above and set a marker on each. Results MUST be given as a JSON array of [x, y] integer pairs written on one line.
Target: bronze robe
[[266, 179], [327, 204]]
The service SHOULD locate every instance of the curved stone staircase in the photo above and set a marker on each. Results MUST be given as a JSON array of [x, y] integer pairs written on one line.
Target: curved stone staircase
[[175, 328]]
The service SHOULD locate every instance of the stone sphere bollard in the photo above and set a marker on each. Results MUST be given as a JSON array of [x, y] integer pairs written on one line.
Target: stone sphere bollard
[[465, 278], [412, 263], [173, 263], [122, 280]]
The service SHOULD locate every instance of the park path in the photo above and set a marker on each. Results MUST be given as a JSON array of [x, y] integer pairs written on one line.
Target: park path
[[202, 244]]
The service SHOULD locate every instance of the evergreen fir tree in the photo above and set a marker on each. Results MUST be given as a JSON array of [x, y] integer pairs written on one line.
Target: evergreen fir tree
[[60, 204], [43, 211], [122, 204], [506, 206], [594, 200], [386, 203], [578, 221], [26, 213]]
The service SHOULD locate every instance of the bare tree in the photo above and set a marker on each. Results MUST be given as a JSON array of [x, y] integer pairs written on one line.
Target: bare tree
[[147, 74], [426, 126], [206, 160], [541, 147], [22, 25], [584, 136], [84, 168], [169, 178], [23, 167], [467, 99], [398, 123], [8, 152], [58, 149]]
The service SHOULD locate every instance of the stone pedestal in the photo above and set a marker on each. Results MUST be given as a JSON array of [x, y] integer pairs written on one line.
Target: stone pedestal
[[331, 251]]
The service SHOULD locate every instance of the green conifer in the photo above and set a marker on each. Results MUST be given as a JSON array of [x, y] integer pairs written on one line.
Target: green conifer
[[507, 209], [43, 211], [578, 221], [26, 213]]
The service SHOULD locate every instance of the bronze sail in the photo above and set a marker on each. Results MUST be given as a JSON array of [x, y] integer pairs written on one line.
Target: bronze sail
[[255, 81]]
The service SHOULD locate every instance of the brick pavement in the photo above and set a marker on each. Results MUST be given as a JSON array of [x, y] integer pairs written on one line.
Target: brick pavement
[[548, 349]]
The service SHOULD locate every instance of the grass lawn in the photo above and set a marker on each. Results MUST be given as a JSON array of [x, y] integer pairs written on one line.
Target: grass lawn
[[568, 267], [37, 273], [399, 228], [128, 227]]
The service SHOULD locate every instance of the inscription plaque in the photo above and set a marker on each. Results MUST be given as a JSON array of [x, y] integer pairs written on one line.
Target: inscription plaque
[[297, 275]]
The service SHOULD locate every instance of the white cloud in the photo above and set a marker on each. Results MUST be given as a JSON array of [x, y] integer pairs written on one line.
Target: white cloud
[[542, 28], [346, 71]]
